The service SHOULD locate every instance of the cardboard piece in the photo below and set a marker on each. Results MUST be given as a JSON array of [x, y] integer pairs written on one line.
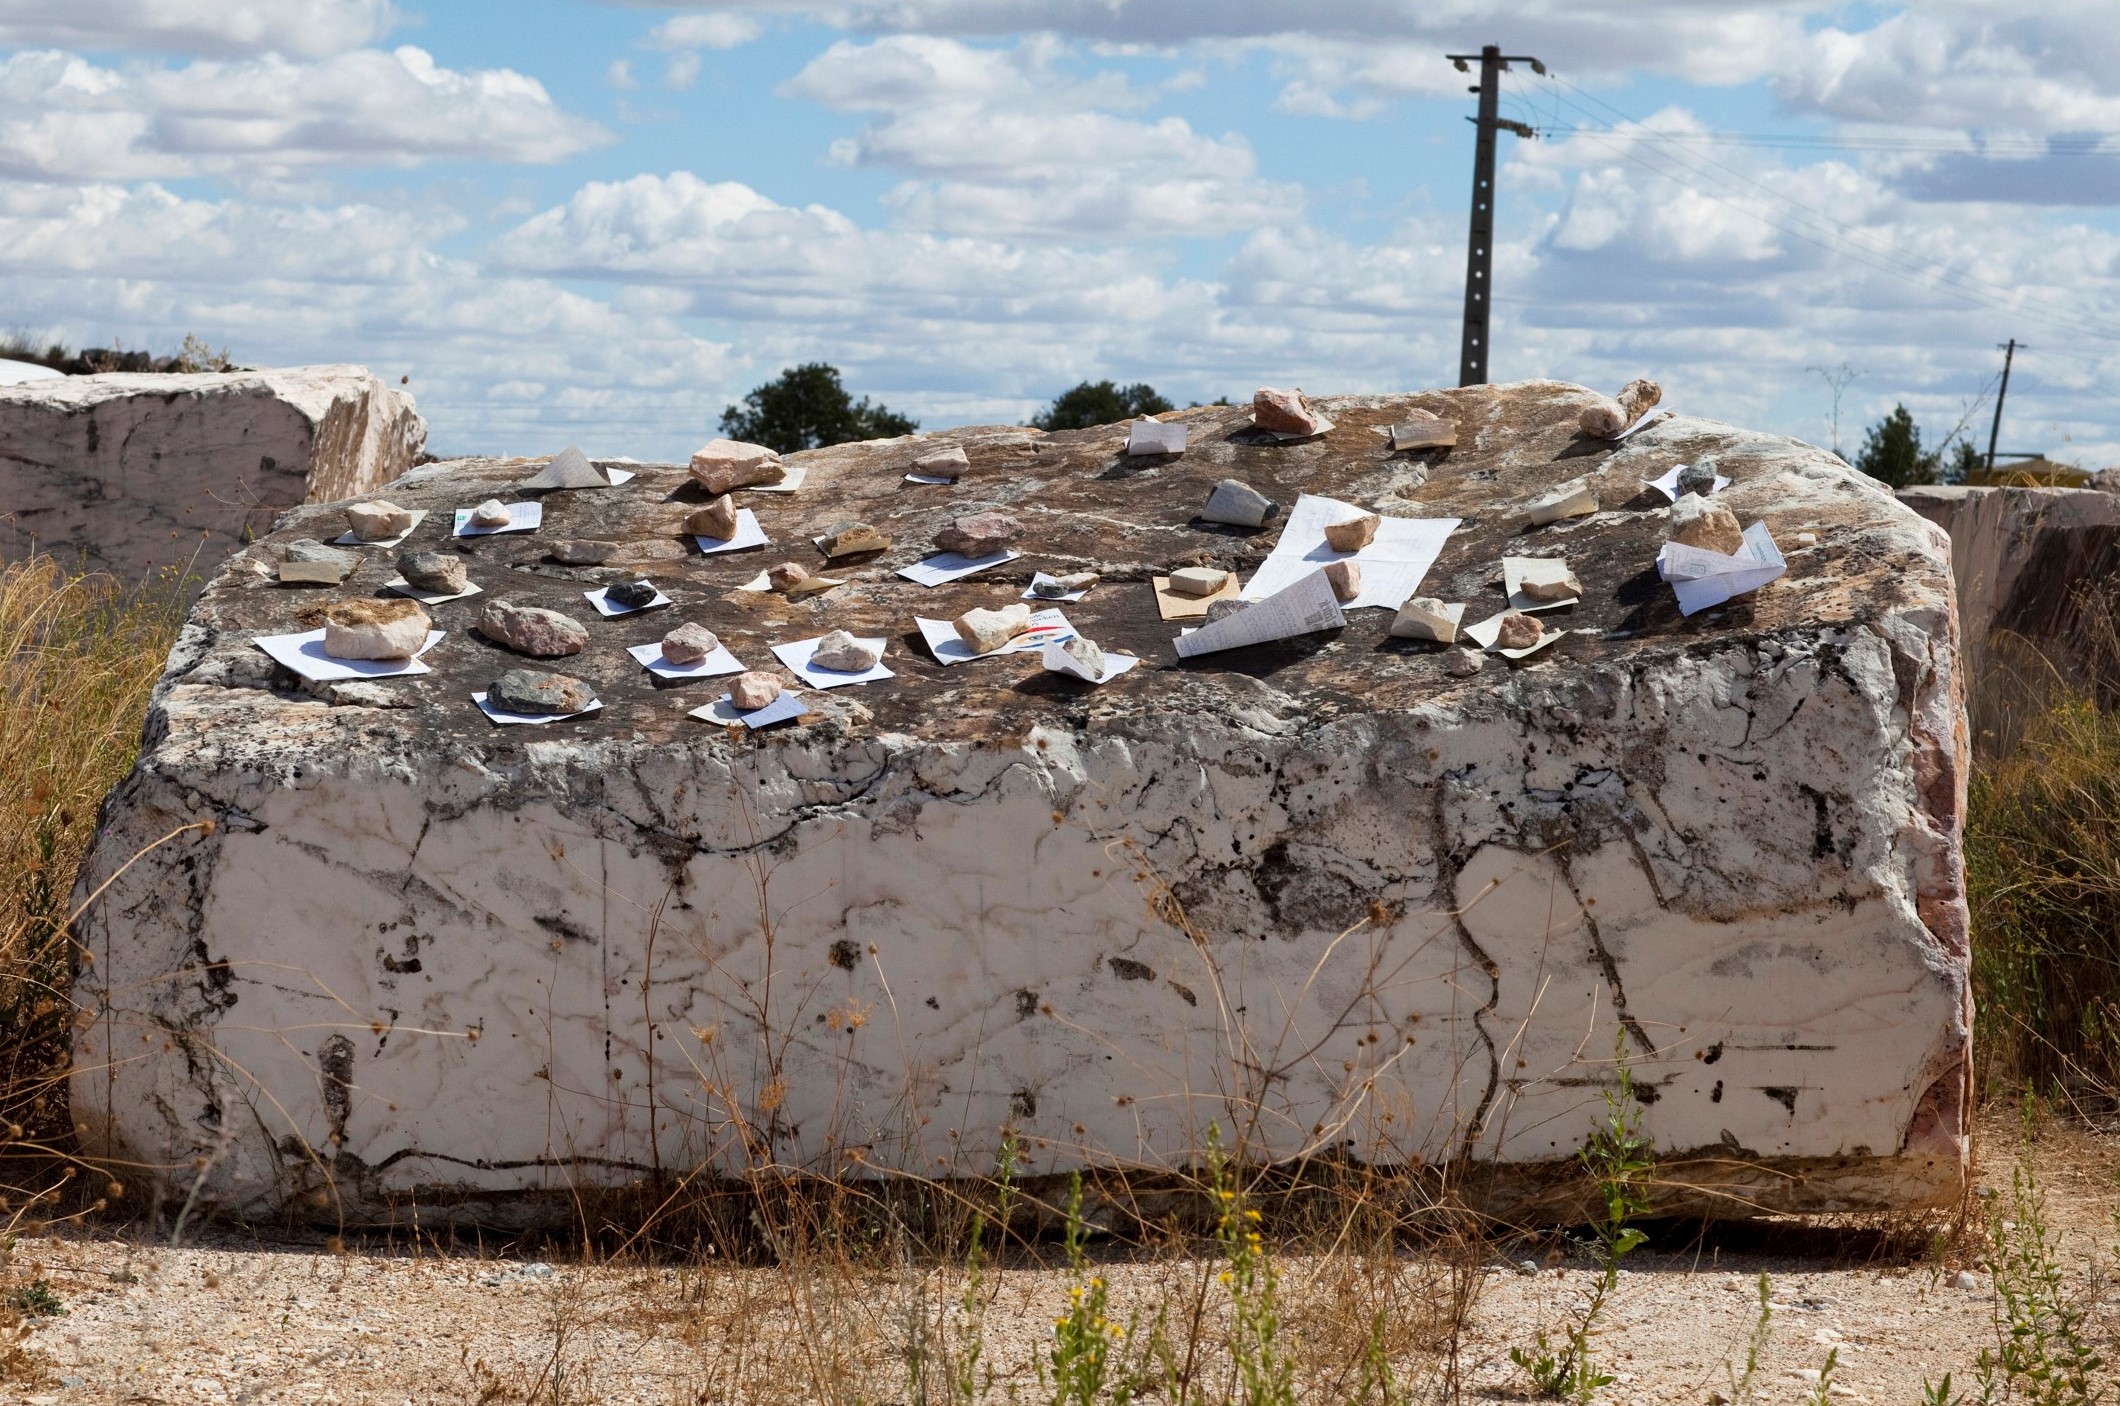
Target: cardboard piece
[[1173, 606]]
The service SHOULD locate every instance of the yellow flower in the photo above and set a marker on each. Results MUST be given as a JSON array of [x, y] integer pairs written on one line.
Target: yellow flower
[[1251, 1214]]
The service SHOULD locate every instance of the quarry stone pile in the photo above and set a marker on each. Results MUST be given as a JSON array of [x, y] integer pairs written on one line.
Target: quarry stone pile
[[1343, 893], [139, 472]]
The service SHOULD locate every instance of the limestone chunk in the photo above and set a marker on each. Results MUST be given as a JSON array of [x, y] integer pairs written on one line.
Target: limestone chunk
[[308, 549], [1197, 580], [786, 576], [1608, 417], [730, 463], [689, 643], [378, 521], [532, 630], [1518, 631], [852, 539], [1283, 412], [979, 534], [1224, 608], [1353, 534], [442, 572], [539, 693], [491, 513], [950, 463], [582, 552], [1577, 499], [633, 595], [1061, 587], [311, 573], [1707, 524], [1551, 586], [717, 519], [375, 629], [1087, 656], [752, 690], [1425, 618], [988, 630], [1345, 578], [1238, 504], [843, 654]]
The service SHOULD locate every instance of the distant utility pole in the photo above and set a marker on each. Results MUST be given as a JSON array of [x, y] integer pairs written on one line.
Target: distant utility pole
[[1479, 255], [2009, 354]]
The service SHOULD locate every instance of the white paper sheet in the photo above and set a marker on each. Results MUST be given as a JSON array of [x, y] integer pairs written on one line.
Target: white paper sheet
[[605, 606], [1392, 564], [789, 481], [508, 719], [929, 479], [1056, 660], [1037, 576], [786, 708], [1487, 631], [305, 655], [522, 517], [796, 655], [570, 468], [950, 566], [402, 587], [748, 535], [943, 641], [650, 657], [1668, 484], [1301, 609], [1517, 570], [1701, 578], [1289, 436], [1648, 417], [347, 539], [1155, 437]]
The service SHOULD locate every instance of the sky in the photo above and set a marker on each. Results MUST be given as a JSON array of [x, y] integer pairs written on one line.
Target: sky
[[596, 222]]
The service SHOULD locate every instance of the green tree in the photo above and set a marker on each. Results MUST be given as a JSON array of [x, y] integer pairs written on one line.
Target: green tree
[[1100, 403], [1964, 461], [806, 407], [1891, 452]]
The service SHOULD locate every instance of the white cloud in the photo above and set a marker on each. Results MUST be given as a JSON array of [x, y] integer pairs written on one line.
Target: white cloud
[[710, 31], [1008, 142], [303, 28], [65, 118], [619, 74], [682, 70]]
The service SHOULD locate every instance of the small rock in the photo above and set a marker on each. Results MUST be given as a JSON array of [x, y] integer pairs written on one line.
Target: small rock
[[1608, 417], [537, 692], [1550, 586], [358, 693], [988, 630], [1964, 1279], [491, 513], [632, 595], [752, 690], [1463, 663], [1696, 478], [1283, 412], [1707, 524], [1806, 539], [950, 463], [1345, 578], [1518, 631], [1060, 587], [843, 654], [1238, 504], [377, 521], [1527, 1268], [689, 643], [581, 552], [375, 629], [1086, 656], [1576, 499], [785, 576], [308, 549], [1197, 581], [532, 630], [1424, 618], [442, 572], [1637, 396], [312, 573], [730, 463], [852, 539], [1353, 534], [717, 519], [1225, 607], [979, 534]]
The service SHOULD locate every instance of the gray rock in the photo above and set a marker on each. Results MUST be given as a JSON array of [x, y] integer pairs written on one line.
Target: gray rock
[[1696, 478], [580, 552], [1224, 608], [1061, 587], [843, 654], [1238, 504], [1463, 663], [358, 693], [539, 692], [434, 571], [308, 549], [1086, 655], [632, 595]]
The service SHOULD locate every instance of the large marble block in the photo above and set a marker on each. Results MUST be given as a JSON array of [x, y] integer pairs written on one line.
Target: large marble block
[[1320, 893], [136, 472]]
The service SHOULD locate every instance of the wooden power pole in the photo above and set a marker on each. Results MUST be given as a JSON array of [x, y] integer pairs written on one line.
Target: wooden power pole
[[1479, 254], [2009, 354]]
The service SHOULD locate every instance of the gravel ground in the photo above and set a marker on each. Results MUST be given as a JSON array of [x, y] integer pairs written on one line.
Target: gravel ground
[[227, 1320]]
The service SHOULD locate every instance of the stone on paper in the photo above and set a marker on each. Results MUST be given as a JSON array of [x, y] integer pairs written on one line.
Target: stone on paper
[[1702, 522], [1283, 412], [979, 534], [532, 630], [988, 630], [950, 463], [843, 654], [1353, 534], [1061, 587], [689, 643], [1087, 655], [1197, 580], [1346, 579], [378, 521], [1238, 504], [852, 539], [539, 693], [444, 573], [717, 519], [375, 629], [753, 689], [491, 513], [1424, 618], [1518, 631], [1577, 499], [1546, 587], [786, 575], [729, 463]]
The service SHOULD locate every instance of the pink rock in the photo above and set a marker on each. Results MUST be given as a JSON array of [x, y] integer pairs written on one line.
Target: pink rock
[[730, 463], [1346, 579], [531, 630], [1283, 412], [979, 534], [753, 690]]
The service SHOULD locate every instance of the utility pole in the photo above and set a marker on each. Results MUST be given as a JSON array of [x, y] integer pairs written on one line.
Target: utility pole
[[2009, 354], [1479, 255]]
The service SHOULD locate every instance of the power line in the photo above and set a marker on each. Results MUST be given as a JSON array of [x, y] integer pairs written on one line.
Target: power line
[[1960, 146]]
